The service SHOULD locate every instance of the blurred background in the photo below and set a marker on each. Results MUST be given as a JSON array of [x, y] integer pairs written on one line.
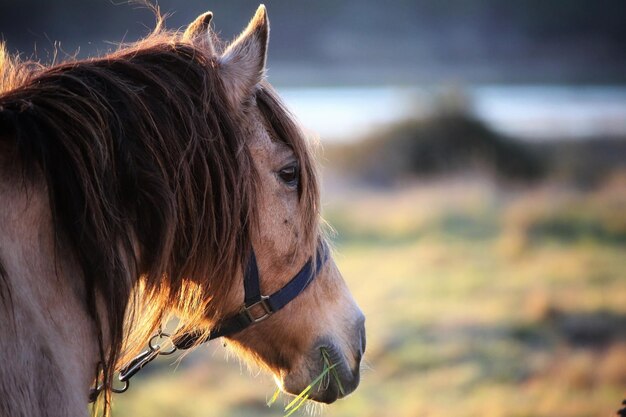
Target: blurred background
[[474, 167]]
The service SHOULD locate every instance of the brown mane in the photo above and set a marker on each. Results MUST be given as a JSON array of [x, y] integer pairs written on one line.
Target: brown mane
[[149, 178]]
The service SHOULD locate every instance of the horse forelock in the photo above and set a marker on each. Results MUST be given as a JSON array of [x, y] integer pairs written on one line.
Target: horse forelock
[[286, 129], [149, 178]]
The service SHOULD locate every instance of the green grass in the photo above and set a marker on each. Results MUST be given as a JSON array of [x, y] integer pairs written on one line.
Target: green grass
[[301, 398], [476, 305]]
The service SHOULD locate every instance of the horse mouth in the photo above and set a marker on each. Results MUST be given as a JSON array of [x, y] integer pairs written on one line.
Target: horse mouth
[[341, 379], [338, 379]]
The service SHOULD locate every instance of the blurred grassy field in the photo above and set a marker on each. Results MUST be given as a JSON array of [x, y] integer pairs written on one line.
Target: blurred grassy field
[[480, 300]]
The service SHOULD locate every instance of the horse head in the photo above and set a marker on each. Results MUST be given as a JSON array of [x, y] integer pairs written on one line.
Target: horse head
[[166, 177], [324, 319]]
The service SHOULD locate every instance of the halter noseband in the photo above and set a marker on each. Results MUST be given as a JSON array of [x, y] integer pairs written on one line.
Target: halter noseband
[[256, 308]]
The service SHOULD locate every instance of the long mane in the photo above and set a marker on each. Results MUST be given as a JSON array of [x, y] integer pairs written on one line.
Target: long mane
[[149, 178]]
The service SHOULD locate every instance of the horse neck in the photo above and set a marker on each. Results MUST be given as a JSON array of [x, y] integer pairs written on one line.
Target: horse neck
[[47, 344]]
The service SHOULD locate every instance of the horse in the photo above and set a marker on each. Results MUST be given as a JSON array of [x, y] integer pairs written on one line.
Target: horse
[[153, 182]]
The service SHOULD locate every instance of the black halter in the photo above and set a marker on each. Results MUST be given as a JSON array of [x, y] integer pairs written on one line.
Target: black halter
[[256, 308]]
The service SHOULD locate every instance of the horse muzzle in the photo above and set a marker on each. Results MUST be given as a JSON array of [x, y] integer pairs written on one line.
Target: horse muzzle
[[343, 375]]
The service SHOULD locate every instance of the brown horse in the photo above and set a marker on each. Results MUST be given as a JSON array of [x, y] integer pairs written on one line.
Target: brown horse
[[139, 185]]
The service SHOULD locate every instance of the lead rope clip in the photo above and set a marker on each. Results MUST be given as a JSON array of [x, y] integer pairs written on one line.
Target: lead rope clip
[[135, 365]]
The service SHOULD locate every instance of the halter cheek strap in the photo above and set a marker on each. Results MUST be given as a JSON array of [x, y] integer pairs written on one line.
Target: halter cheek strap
[[258, 307]]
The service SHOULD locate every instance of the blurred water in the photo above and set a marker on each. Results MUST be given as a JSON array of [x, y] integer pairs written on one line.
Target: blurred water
[[528, 112]]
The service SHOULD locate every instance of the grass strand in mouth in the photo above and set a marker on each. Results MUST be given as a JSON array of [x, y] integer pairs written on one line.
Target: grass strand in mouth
[[296, 403], [332, 370]]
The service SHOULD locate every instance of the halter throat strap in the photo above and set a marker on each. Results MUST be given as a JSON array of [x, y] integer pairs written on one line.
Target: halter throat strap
[[257, 307]]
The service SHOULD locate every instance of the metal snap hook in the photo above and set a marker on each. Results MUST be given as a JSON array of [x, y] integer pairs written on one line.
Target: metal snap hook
[[157, 347], [124, 388]]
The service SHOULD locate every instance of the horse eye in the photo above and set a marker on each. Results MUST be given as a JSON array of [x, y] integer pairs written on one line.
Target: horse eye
[[289, 175]]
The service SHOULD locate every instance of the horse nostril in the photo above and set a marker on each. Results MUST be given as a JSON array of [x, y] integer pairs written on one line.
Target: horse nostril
[[362, 342]]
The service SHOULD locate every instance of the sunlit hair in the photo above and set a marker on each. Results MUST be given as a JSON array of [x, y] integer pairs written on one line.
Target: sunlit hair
[[150, 181]]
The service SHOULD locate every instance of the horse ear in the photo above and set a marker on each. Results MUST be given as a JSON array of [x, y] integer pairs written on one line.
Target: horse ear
[[199, 32], [243, 62]]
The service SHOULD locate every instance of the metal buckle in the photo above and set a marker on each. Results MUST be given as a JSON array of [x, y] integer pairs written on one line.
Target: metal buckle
[[267, 310]]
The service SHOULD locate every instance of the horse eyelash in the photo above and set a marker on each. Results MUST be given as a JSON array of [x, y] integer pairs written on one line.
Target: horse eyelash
[[296, 174]]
